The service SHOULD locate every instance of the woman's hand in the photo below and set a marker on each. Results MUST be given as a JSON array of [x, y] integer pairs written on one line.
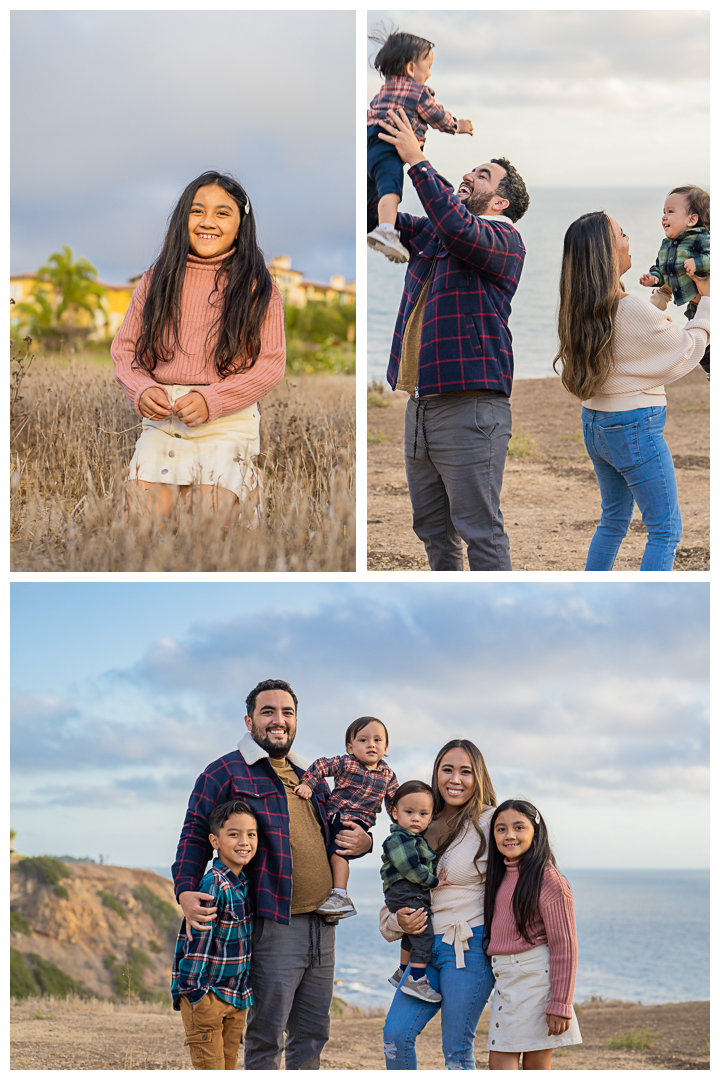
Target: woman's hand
[[702, 284], [191, 409], [304, 791], [411, 920], [402, 137], [557, 1025], [154, 404]]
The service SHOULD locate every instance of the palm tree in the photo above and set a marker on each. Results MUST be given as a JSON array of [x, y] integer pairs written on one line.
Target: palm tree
[[67, 296]]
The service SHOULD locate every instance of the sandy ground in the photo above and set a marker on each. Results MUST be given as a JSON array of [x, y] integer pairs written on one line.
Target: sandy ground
[[550, 497], [76, 1035]]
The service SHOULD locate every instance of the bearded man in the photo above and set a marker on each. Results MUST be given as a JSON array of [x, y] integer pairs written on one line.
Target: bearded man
[[452, 351], [293, 950]]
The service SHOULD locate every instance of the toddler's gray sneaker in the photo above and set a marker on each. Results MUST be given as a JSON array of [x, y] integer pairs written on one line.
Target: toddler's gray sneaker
[[388, 242], [340, 907], [395, 978], [421, 988]]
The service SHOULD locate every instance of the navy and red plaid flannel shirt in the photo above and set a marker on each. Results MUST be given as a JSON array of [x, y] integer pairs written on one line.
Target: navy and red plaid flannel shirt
[[418, 101], [270, 871], [358, 791], [218, 957], [475, 264]]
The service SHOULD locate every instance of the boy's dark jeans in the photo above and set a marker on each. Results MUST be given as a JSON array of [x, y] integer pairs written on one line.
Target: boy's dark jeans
[[690, 313], [405, 894]]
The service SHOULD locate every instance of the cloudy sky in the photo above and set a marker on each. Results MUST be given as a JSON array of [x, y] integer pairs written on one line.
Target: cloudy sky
[[589, 699], [115, 112], [572, 98]]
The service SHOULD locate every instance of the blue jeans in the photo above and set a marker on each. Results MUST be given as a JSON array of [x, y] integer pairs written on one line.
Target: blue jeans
[[464, 991], [633, 464]]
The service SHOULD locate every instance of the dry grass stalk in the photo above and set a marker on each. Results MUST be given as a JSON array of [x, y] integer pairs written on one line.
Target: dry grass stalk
[[73, 433]]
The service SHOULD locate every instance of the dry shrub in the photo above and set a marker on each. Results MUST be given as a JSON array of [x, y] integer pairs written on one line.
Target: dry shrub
[[73, 434]]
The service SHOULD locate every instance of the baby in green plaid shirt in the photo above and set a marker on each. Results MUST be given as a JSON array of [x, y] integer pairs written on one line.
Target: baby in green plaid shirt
[[685, 251], [408, 873]]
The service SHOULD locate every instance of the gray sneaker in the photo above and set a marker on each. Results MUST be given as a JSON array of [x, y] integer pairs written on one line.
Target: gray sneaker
[[421, 988], [388, 242], [338, 906], [396, 976]]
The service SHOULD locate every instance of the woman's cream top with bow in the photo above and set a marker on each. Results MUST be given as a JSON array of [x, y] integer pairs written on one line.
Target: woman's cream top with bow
[[458, 907]]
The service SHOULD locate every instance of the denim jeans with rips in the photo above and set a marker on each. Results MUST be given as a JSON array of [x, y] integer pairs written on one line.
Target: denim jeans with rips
[[465, 992], [633, 464]]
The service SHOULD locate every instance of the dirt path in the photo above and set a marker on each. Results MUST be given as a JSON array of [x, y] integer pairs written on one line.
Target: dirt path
[[96, 1035], [550, 498]]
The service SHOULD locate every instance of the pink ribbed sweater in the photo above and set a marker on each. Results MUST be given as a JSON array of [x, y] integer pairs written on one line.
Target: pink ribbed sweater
[[556, 930], [190, 367]]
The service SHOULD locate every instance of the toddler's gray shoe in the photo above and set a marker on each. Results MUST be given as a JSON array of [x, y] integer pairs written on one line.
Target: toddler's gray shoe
[[421, 988], [395, 978], [340, 907], [388, 242]]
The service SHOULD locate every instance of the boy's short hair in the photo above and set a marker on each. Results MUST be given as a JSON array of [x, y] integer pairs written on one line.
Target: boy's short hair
[[362, 721], [221, 813], [412, 787], [512, 187], [269, 684], [697, 201], [397, 50]]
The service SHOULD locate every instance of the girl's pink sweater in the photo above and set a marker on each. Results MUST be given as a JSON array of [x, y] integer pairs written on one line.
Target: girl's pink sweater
[[190, 366], [556, 929]]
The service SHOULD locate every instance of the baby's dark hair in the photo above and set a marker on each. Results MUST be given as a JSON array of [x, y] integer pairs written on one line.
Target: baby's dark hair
[[221, 813], [412, 787], [697, 201], [362, 722], [397, 50]]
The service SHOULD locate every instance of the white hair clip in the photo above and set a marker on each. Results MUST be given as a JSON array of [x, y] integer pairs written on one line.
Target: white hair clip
[[247, 207], [537, 818]]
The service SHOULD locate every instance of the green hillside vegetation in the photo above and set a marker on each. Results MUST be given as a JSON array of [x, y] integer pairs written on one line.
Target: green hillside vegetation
[[113, 903], [164, 915], [31, 975], [44, 868], [128, 978]]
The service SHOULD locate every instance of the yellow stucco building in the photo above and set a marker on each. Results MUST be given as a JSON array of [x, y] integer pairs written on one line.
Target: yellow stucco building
[[295, 291]]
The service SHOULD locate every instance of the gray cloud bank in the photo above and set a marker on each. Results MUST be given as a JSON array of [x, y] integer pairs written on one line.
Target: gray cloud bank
[[114, 112], [571, 691]]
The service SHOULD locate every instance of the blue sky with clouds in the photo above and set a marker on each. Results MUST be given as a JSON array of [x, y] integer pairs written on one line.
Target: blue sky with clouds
[[590, 699], [115, 112]]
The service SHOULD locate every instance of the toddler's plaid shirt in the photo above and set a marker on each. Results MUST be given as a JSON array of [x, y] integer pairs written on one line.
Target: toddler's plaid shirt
[[358, 791], [417, 100], [217, 958]]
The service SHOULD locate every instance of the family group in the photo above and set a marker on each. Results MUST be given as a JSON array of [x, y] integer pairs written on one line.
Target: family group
[[452, 347], [471, 891]]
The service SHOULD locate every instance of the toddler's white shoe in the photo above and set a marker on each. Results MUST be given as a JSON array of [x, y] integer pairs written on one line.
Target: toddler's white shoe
[[388, 242]]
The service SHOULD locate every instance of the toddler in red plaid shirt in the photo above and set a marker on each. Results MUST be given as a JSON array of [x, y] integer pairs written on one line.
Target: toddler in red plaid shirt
[[362, 781], [404, 61]]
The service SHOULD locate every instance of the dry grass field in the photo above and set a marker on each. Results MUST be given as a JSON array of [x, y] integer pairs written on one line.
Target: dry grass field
[[72, 436]]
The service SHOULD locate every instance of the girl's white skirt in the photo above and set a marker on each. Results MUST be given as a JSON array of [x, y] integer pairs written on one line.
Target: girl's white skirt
[[220, 452], [518, 1020]]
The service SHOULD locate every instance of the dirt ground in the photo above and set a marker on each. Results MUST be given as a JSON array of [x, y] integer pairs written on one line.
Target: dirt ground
[[47, 1034], [550, 497]]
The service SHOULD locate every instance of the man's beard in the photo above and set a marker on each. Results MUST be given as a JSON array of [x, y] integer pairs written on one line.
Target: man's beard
[[274, 749], [478, 203]]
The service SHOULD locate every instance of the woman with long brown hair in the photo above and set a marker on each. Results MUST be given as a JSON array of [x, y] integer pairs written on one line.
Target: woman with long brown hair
[[617, 352], [459, 969]]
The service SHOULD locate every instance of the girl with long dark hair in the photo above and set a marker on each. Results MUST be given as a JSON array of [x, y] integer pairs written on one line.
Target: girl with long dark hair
[[529, 934], [458, 969], [617, 352], [202, 342]]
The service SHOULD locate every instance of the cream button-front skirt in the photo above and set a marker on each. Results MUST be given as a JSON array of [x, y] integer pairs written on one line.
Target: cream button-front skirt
[[220, 452], [518, 1020]]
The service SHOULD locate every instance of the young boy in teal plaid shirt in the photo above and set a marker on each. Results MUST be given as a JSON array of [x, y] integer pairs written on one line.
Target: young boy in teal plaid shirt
[[686, 247], [211, 969], [408, 873]]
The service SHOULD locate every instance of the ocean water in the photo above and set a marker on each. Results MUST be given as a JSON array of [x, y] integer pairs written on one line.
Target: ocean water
[[643, 935], [532, 323]]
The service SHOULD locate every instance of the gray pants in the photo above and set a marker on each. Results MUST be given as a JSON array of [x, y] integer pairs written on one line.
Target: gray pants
[[455, 450], [293, 967]]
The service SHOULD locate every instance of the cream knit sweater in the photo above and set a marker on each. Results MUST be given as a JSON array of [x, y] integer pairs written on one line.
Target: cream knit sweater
[[190, 365], [650, 350], [458, 907]]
